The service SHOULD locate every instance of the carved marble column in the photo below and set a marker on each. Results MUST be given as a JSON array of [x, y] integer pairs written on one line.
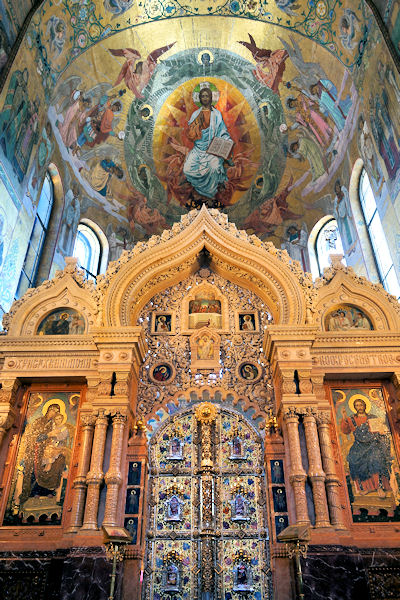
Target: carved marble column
[[331, 479], [297, 475], [113, 477], [94, 477], [315, 472], [78, 502]]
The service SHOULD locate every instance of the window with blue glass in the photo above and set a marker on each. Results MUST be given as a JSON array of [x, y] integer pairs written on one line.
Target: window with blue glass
[[38, 236], [87, 250], [377, 237]]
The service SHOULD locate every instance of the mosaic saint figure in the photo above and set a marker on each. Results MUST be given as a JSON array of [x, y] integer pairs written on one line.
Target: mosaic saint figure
[[343, 215], [270, 64], [248, 324], [236, 447], [204, 171], [163, 326], [44, 458], [205, 348], [171, 578], [329, 102], [369, 457], [136, 73]]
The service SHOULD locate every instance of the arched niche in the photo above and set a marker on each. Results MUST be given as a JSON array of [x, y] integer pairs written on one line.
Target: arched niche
[[67, 290], [341, 286], [167, 259], [204, 291]]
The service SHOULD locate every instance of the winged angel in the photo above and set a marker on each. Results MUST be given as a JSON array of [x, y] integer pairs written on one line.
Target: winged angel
[[137, 73]]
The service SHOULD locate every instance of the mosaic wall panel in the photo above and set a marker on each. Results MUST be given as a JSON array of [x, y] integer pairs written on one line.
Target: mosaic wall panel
[[368, 453], [250, 568], [44, 453]]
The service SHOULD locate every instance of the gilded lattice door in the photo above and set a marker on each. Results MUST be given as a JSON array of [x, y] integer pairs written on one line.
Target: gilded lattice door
[[207, 536]]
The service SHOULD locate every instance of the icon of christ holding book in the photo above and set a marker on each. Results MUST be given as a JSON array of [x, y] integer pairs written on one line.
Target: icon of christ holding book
[[204, 164]]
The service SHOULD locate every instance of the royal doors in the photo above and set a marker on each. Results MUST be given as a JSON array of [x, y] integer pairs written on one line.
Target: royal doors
[[207, 535]]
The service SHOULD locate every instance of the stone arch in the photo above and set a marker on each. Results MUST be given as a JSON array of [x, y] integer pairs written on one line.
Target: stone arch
[[345, 287], [64, 290], [150, 268]]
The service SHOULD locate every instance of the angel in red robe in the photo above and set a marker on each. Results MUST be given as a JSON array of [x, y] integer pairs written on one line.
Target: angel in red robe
[[270, 64], [137, 73]]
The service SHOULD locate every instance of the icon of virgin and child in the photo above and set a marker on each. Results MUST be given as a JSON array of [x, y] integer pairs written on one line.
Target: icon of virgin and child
[[203, 170], [44, 455]]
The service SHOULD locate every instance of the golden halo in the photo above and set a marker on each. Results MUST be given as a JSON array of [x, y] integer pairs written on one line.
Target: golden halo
[[359, 397], [57, 401], [62, 315], [200, 54], [150, 109], [74, 399]]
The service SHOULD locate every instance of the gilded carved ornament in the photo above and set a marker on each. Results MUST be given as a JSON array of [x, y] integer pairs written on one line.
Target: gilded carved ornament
[[257, 393], [206, 412], [340, 283], [25, 313], [211, 226]]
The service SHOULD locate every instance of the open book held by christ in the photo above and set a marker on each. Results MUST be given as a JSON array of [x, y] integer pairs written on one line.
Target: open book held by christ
[[220, 147]]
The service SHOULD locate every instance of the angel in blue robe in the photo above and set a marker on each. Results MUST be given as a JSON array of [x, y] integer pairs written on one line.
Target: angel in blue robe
[[329, 104], [205, 172]]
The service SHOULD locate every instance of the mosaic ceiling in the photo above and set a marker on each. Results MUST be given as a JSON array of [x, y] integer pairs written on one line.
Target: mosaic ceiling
[[157, 107]]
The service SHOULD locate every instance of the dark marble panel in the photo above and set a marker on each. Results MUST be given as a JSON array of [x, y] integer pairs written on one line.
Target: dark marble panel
[[78, 574], [347, 573], [86, 577]]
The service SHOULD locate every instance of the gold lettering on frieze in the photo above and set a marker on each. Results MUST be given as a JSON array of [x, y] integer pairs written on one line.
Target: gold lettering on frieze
[[356, 360], [34, 364]]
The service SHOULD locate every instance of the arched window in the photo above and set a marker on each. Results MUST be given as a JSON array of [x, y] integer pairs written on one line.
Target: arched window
[[87, 249], [38, 236], [383, 258], [324, 240]]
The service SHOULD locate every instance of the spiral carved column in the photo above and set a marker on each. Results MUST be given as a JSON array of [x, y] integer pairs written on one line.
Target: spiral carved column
[[315, 472], [297, 475], [331, 479], [94, 477], [113, 477], [80, 485]]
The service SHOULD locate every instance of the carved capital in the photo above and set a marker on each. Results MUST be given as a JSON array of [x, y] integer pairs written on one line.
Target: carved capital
[[309, 413], [291, 414], [323, 417], [88, 420], [8, 391], [119, 418]]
